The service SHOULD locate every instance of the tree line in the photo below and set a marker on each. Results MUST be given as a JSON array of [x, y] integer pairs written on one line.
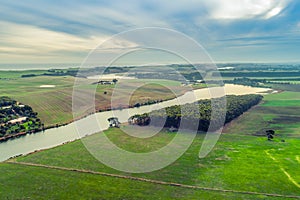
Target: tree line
[[258, 74], [198, 114]]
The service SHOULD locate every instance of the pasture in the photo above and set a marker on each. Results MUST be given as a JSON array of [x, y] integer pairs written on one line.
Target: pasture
[[30, 182], [242, 161]]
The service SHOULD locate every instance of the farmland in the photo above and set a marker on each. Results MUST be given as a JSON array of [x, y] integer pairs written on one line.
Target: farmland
[[60, 184], [243, 160], [134, 100], [54, 104], [242, 165]]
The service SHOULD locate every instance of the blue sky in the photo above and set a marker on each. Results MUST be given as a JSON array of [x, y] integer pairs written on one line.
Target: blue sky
[[52, 31]]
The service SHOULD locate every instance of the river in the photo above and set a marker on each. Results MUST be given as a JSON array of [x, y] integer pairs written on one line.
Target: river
[[57, 136]]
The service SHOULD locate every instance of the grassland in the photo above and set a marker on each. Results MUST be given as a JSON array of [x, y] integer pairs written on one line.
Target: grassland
[[42, 183], [239, 162], [279, 111]]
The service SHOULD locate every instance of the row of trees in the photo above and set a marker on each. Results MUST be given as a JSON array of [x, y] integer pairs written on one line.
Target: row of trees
[[198, 115], [246, 81], [54, 72], [82, 72], [258, 74], [263, 82]]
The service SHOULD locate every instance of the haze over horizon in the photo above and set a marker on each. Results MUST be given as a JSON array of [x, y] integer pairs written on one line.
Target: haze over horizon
[[230, 31]]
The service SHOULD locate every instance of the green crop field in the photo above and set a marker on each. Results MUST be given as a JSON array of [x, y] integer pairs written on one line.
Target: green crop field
[[43, 183], [242, 161]]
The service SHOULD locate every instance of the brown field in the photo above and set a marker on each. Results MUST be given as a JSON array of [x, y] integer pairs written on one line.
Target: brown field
[[54, 104]]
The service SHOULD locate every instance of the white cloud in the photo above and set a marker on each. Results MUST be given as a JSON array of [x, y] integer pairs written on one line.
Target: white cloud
[[21, 41], [245, 9], [97, 17], [44, 33], [273, 12]]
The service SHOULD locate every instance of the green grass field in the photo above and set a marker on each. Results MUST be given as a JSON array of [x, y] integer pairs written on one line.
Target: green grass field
[[279, 111], [239, 162], [43, 183]]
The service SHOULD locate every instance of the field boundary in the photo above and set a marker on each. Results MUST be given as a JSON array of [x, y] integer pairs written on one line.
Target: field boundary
[[151, 180]]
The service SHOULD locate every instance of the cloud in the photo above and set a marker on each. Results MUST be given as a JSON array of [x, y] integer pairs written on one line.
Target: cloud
[[19, 41], [70, 29], [245, 9], [82, 18]]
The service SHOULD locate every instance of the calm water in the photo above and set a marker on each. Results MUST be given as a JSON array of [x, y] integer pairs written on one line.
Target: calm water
[[56, 136]]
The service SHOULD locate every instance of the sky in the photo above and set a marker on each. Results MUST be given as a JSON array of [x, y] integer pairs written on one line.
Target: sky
[[52, 31]]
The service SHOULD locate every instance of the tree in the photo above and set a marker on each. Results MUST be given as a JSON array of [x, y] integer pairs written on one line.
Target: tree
[[114, 81], [114, 122], [270, 134]]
